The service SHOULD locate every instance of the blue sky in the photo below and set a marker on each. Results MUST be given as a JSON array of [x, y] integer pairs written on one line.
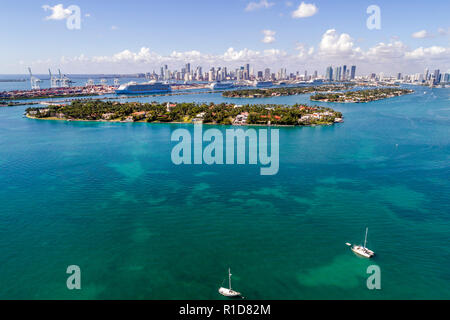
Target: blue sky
[[117, 31]]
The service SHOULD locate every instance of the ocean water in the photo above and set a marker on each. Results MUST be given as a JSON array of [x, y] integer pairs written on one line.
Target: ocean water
[[106, 197]]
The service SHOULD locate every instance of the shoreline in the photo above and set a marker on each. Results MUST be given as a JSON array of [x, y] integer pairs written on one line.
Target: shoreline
[[349, 96], [186, 123]]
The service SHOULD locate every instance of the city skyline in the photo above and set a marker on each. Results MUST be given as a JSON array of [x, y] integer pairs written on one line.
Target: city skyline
[[296, 35]]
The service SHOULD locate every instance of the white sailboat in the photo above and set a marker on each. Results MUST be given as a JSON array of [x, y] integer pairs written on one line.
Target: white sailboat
[[362, 250], [229, 292]]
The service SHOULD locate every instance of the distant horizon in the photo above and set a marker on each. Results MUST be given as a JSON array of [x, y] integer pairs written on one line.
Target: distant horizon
[[27, 75]]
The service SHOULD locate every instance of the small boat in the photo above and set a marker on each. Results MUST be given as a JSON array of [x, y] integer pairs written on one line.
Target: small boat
[[362, 250], [229, 292]]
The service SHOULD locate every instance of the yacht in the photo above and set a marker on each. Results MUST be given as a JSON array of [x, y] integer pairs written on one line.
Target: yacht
[[229, 292], [362, 250]]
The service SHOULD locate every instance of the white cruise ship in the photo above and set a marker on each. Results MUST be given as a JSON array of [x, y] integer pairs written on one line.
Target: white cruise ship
[[221, 85], [147, 87]]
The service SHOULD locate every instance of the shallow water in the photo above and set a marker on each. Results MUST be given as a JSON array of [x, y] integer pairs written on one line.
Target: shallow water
[[106, 197]]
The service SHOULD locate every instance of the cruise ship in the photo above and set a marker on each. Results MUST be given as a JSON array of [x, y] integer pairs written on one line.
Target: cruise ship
[[221, 85], [146, 87], [264, 84]]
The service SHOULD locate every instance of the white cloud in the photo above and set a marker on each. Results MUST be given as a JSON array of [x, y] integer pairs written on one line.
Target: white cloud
[[385, 52], [114, 28], [444, 32], [305, 10], [269, 36], [434, 52], [58, 12], [303, 52], [333, 44], [421, 34], [332, 49], [262, 4]]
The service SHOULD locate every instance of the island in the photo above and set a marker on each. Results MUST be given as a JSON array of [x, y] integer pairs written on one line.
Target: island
[[283, 91], [361, 96], [196, 113]]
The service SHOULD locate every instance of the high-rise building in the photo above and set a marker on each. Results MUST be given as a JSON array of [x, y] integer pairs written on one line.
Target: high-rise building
[[267, 74], [437, 76], [425, 74], [344, 73], [329, 74], [447, 77], [188, 68], [337, 73], [353, 73]]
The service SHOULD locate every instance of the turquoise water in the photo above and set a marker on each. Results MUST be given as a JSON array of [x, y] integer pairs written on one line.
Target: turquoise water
[[107, 197]]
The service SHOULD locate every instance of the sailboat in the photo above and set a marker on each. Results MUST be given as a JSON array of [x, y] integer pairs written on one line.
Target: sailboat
[[229, 292], [362, 250]]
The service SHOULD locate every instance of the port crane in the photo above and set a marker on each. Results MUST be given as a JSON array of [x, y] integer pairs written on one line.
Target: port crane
[[54, 81], [35, 82]]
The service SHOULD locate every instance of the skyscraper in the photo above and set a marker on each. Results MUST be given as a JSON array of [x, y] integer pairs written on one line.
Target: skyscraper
[[337, 73], [437, 76], [425, 74], [329, 74], [267, 74], [353, 73], [344, 73], [447, 78]]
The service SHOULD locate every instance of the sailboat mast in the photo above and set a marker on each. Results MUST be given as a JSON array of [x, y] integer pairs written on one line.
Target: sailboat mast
[[365, 240], [229, 277]]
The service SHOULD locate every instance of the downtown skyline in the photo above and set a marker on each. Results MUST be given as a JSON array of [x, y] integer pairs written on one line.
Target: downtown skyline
[[296, 35]]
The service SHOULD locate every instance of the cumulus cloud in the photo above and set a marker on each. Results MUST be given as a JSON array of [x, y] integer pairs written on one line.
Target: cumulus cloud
[[58, 12], [421, 34], [305, 10], [334, 44], [444, 32], [304, 52], [334, 48], [434, 52], [385, 52], [269, 36], [262, 4]]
